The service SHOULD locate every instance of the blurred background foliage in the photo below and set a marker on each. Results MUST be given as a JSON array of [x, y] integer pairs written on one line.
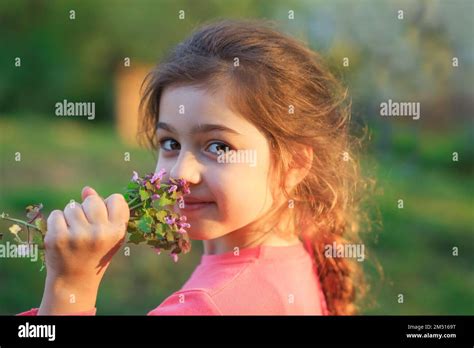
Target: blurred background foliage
[[409, 59]]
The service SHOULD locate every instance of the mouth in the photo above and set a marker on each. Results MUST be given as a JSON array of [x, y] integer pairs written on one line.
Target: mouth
[[195, 206]]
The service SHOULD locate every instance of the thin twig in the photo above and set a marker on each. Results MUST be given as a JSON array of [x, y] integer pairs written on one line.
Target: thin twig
[[19, 221], [136, 206]]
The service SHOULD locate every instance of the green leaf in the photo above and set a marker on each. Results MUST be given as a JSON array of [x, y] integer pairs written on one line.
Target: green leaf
[[164, 200], [136, 238], [144, 224], [169, 236], [156, 204], [160, 215], [131, 226], [41, 224], [144, 195], [152, 211], [149, 186], [159, 230], [133, 186], [38, 240]]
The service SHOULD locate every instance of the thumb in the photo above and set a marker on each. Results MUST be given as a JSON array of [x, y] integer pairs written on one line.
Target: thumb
[[87, 191]]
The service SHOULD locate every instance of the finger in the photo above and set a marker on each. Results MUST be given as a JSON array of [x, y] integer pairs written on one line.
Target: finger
[[95, 210], [117, 208], [56, 221], [57, 228], [87, 191], [73, 214]]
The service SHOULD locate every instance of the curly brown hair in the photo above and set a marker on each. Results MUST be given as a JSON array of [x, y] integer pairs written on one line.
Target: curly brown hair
[[288, 93]]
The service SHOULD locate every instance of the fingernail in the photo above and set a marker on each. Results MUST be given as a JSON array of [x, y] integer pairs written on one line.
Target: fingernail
[[86, 188]]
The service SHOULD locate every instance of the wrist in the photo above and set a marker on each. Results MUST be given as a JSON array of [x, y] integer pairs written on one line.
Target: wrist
[[66, 295]]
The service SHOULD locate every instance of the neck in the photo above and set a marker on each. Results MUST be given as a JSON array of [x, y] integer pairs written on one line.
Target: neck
[[251, 236], [219, 245]]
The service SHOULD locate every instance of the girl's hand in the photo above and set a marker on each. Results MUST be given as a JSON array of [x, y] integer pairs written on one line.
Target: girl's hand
[[82, 239], [79, 245]]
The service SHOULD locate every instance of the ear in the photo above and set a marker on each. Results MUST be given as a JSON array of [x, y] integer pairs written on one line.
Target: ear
[[299, 166]]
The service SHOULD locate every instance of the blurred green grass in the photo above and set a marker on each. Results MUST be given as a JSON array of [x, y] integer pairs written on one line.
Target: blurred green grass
[[414, 247]]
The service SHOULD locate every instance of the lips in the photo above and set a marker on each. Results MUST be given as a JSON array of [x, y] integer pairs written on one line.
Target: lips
[[194, 203], [195, 199]]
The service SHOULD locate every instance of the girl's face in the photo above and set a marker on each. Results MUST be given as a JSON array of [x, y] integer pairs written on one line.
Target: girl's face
[[227, 193]]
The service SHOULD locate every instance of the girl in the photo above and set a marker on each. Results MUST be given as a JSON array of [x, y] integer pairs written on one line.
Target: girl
[[258, 126]]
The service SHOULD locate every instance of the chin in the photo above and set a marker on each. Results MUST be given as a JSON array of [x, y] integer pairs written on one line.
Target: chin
[[204, 231]]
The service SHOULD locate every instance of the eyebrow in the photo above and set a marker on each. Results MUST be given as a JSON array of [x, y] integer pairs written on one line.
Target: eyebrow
[[201, 128]]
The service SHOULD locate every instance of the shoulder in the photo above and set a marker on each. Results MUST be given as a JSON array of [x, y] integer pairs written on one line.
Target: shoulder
[[199, 296], [213, 278], [187, 302]]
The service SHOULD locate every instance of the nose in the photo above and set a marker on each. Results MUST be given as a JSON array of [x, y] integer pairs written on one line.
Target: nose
[[187, 167]]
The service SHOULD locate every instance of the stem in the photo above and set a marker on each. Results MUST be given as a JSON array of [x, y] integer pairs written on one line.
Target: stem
[[133, 200], [18, 239], [24, 223], [137, 205]]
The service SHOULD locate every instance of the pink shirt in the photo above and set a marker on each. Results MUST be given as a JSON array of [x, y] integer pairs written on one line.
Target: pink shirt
[[262, 280]]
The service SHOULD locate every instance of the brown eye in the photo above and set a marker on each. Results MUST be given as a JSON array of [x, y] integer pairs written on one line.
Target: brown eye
[[169, 145], [218, 146]]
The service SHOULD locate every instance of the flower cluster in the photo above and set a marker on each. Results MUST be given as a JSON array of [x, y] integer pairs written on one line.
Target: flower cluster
[[152, 219]]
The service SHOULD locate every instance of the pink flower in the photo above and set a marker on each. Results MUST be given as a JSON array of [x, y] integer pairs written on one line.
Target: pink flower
[[158, 251], [174, 257], [184, 186], [158, 176], [135, 176], [173, 188], [155, 196], [169, 220], [184, 225]]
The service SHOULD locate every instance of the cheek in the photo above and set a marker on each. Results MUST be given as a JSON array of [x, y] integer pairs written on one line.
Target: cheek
[[241, 192], [241, 199], [242, 195]]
